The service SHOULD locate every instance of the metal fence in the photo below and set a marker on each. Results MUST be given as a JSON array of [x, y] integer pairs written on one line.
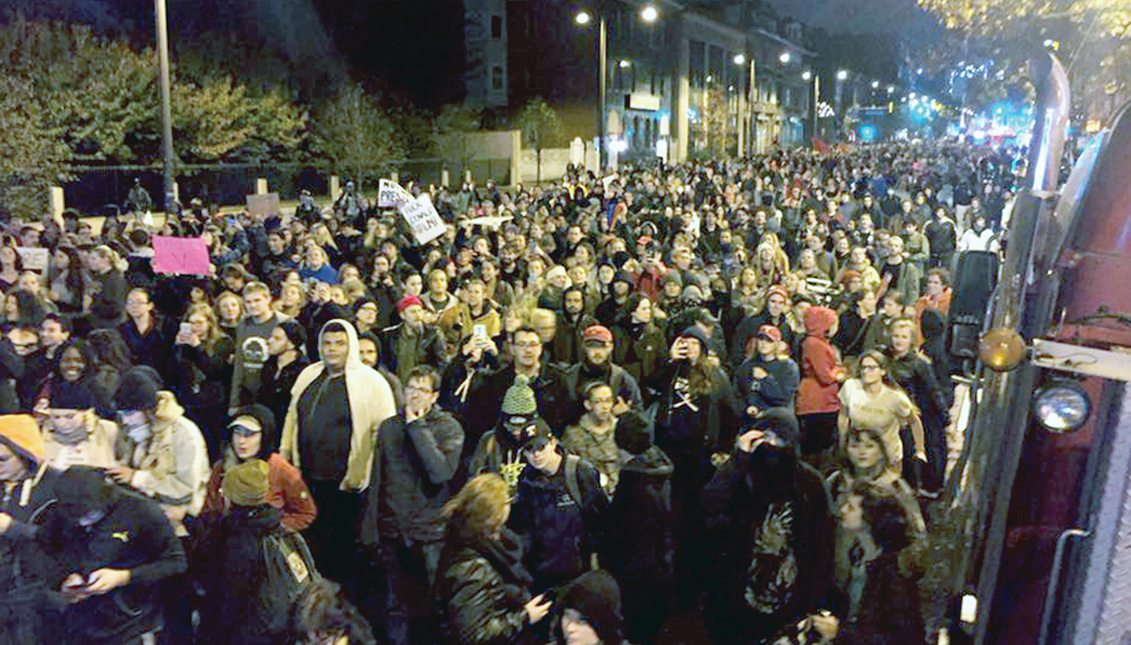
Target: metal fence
[[93, 187]]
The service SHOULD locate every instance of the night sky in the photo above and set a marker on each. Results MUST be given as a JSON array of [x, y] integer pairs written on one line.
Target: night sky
[[897, 17], [412, 48]]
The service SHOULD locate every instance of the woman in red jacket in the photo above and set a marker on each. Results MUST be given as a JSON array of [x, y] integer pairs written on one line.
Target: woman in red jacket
[[254, 437], [821, 376]]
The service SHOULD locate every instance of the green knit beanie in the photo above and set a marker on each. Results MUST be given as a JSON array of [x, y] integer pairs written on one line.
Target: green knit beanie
[[519, 399]]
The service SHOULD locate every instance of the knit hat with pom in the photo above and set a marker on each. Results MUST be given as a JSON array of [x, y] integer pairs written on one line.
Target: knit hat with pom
[[519, 399]]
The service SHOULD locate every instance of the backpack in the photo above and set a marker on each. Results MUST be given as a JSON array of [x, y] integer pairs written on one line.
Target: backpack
[[290, 570]]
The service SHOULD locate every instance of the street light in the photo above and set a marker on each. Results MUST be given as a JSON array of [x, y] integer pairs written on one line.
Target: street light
[[806, 75], [785, 58], [739, 59], [582, 18], [649, 13], [842, 75], [167, 154], [624, 63], [875, 85], [891, 89]]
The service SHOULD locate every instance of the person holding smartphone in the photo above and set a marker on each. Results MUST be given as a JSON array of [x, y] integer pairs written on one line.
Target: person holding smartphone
[[117, 550]]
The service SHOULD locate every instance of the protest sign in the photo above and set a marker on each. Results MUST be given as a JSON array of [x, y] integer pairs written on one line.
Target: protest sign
[[263, 205], [34, 259], [608, 181], [181, 255], [489, 222], [390, 194], [422, 217]]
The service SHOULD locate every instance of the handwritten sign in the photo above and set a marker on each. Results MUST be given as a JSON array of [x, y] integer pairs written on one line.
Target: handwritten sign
[[34, 259], [181, 255], [422, 217], [390, 194], [263, 205], [489, 222]]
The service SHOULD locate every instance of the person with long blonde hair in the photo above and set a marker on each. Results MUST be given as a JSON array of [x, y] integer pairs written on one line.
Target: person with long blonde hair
[[482, 590], [202, 372]]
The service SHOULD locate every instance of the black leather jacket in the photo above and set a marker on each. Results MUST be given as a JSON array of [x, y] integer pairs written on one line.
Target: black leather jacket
[[482, 591]]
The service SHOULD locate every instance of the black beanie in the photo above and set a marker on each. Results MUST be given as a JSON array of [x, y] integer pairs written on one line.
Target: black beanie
[[138, 389], [782, 422], [633, 433], [596, 596], [71, 396]]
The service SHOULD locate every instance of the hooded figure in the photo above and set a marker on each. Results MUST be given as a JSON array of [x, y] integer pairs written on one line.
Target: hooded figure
[[160, 452], [591, 603], [769, 524], [337, 406], [29, 494], [253, 436], [116, 549], [638, 551], [817, 402], [251, 566], [370, 402]]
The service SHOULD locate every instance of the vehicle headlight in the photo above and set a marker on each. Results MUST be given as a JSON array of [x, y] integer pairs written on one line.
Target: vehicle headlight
[[1061, 407]]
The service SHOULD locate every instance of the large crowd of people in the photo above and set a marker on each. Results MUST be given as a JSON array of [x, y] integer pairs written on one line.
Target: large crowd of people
[[716, 390]]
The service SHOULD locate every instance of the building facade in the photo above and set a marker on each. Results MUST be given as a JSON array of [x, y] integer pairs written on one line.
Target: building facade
[[687, 80]]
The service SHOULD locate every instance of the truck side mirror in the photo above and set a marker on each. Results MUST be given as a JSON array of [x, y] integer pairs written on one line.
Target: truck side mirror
[[973, 287]]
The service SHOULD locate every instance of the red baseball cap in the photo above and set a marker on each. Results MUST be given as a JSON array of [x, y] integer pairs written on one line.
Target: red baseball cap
[[770, 332], [408, 301], [598, 333]]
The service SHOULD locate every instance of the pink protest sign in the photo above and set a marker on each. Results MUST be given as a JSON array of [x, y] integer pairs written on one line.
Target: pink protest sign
[[181, 255]]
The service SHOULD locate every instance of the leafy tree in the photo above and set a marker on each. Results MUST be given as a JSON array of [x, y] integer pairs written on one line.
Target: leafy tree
[[357, 136], [101, 97], [218, 119], [450, 130], [994, 18], [1091, 36], [715, 135], [31, 155], [541, 128]]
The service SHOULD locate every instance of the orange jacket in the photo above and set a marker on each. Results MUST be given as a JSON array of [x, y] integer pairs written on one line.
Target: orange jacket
[[286, 491]]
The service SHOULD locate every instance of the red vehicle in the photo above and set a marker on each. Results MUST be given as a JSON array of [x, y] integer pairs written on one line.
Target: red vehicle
[[1039, 505]]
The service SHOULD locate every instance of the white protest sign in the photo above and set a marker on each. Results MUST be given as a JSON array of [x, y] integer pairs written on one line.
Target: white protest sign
[[607, 181], [390, 194], [34, 259], [422, 217], [489, 222]]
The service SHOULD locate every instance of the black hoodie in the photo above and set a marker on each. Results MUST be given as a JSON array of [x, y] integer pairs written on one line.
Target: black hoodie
[[640, 519], [133, 534]]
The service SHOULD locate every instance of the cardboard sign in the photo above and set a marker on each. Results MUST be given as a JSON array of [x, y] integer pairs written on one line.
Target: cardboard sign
[[263, 205], [34, 259], [181, 255], [422, 217], [489, 222], [390, 194]]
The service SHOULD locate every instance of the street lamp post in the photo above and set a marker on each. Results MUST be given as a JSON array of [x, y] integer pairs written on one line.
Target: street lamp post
[[816, 103], [602, 89], [648, 14], [166, 105]]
